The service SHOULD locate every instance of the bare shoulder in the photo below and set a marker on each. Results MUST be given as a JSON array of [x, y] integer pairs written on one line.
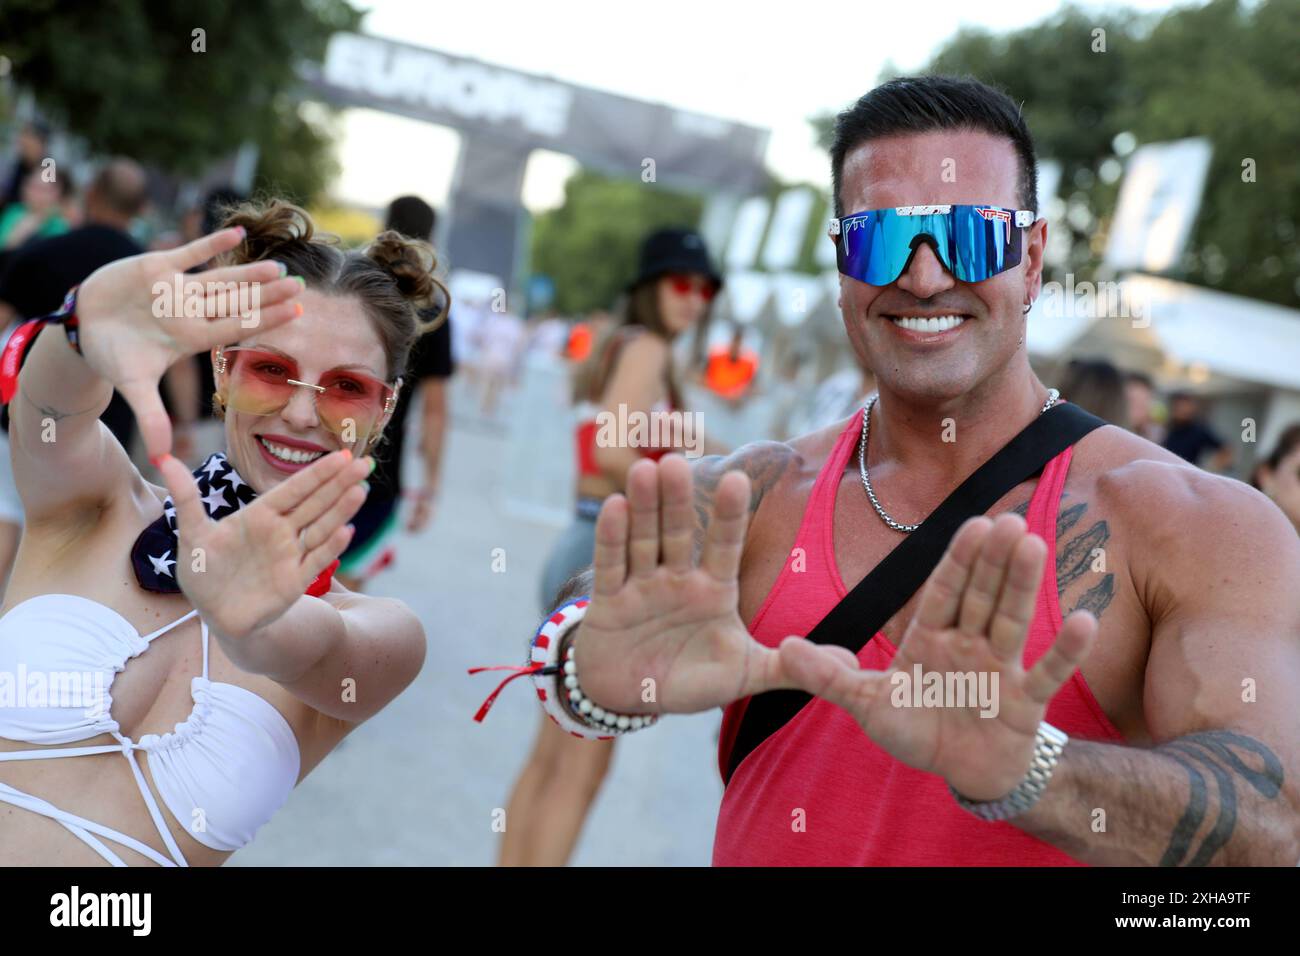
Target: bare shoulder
[[643, 347], [1178, 510], [780, 473]]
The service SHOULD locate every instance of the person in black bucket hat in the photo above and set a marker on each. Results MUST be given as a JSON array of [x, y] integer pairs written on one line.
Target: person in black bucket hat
[[674, 250], [629, 374]]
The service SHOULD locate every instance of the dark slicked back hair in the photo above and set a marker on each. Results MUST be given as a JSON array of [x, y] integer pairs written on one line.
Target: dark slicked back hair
[[921, 104]]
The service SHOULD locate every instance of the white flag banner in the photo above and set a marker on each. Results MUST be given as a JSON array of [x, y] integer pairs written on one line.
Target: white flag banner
[[789, 226], [1158, 202], [747, 233]]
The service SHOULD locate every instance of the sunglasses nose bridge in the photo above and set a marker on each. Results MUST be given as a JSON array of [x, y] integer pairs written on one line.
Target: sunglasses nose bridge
[[318, 388], [921, 276], [312, 392]]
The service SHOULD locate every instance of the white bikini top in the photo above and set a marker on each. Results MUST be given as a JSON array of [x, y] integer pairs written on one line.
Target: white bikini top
[[222, 773]]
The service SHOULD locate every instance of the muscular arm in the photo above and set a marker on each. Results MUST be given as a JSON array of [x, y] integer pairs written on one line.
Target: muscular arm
[[1220, 786]]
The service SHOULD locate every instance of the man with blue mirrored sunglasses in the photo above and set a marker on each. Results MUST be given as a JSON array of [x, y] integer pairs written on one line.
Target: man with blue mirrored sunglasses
[[1118, 605]]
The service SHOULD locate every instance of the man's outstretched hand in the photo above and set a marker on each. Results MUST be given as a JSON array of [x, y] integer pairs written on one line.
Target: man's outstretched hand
[[974, 616], [662, 634]]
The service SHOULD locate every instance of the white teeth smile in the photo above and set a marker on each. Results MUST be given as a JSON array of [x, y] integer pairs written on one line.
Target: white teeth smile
[[936, 324], [293, 456]]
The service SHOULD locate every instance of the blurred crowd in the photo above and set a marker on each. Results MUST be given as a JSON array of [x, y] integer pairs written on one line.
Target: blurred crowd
[[493, 348], [55, 232]]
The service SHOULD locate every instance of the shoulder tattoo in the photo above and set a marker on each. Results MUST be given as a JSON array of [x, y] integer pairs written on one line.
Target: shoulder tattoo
[[1076, 553], [764, 463]]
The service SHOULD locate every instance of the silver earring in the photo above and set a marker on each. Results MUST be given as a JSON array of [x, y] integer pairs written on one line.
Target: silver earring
[[1025, 310]]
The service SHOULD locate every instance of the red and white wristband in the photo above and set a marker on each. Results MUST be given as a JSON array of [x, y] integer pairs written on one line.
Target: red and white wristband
[[595, 722], [553, 677], [23, 337]]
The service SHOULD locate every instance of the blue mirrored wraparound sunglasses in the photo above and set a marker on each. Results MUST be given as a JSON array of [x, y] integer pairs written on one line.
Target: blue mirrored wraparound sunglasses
[[974, 243]]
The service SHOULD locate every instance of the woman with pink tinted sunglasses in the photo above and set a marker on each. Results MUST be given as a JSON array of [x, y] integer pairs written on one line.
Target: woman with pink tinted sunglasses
[[253, 663]]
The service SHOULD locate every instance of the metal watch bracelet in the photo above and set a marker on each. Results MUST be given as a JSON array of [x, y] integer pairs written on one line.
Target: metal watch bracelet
[[1049, 743]]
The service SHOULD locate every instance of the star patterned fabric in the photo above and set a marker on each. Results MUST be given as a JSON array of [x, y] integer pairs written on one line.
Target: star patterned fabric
[[154, 554]]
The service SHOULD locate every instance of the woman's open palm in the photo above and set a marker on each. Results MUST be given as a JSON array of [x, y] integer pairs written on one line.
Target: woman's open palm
[[247, 569], [133, 328]]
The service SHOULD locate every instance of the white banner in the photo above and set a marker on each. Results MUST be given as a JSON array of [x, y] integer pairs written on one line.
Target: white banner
[[1157, 205]]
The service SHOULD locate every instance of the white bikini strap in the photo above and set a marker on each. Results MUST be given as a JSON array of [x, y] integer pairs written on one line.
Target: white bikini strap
[[166, 834], [203, 626], [94, 843], [52, 753], [79, 826], [167, 627]]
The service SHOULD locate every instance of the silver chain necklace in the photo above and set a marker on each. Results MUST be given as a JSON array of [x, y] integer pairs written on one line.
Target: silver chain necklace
[[1052, 396]]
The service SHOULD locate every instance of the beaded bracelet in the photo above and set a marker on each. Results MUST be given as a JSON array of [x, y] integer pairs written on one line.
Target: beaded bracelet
[[586, 719]]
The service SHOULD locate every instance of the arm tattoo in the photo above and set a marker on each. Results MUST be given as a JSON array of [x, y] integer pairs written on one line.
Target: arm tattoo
[[1214, 751], [765, 462], [1097, 598], [1074, 558], [1067, 519], [49, 411]]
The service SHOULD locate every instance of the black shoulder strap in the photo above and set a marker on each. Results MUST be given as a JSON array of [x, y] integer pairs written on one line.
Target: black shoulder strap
[[865, 610]]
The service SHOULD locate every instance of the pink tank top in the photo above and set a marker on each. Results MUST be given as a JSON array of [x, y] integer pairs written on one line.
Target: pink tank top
[[860, 806]]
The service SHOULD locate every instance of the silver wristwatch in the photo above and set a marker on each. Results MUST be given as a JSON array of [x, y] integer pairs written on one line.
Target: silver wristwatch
[[1048, 744]]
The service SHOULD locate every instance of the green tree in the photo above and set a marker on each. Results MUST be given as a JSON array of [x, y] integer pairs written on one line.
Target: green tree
[[588, 245], [140, 79], [1231, 72], [1225, 70]]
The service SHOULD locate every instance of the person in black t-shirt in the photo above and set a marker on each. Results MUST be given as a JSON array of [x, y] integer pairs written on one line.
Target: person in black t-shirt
[[38, 275], [1189, 437], [427, 372]]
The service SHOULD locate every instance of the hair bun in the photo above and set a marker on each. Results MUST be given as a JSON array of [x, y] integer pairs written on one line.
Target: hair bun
[[268, 227], [411, 263]]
